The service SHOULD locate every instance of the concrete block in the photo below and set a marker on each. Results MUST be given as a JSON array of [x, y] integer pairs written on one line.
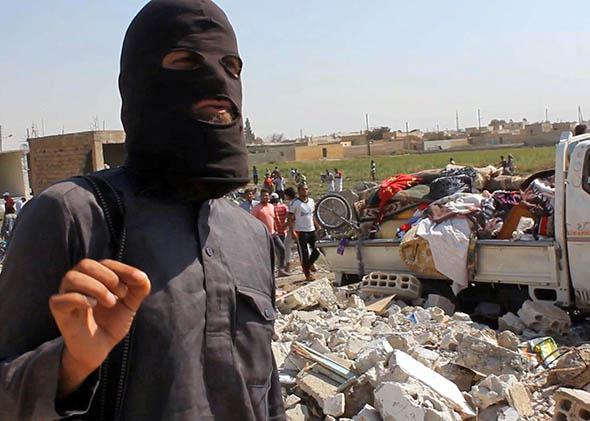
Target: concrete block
[[318, 387], [405, 287], [492, 390], [461, 317], [571, 405], [334, 405], [402, 341], [297, 413], [519, 399], [317, 293], [368, 413], [544, 317], [509, 340], [483, 356], [511, 322], [461, 376], [434, 300], [290, 401], [375, 352]]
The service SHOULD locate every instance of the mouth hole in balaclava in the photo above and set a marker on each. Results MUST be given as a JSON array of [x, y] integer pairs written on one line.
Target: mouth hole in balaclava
[[215, 110]]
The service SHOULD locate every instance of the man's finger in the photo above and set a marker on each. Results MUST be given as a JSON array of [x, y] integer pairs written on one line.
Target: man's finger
[[103, 274], [137, 282], [75, 281], [61, 304]]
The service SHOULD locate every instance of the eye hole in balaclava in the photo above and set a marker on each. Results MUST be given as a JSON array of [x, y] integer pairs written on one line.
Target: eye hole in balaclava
[[181, 87]]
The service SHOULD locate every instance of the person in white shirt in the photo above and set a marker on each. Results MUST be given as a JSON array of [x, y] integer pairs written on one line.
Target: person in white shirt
[[301, 221], [19, 205]]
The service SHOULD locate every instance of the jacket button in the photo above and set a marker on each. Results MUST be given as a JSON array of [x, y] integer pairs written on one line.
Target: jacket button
[[209, 251]]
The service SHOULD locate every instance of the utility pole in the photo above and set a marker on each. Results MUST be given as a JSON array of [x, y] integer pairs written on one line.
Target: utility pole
[[457, 119], [301, 134], [407, 136], [580, 115], [546, 115], [479, 119], [0, 138], [368, 140]]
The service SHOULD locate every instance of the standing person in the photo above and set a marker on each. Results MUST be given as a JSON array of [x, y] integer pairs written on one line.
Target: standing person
[[268, 183], [338, 177], [329, 177], [249, 202], [9, 216], [281, 211], [275, 172], [293, 173], [19, 205], [199, 344], [301, 220], [265, 213], [279, 183], [580, 129], [266, 173], [373, 170], [511, 165], [290, 195], [451, 161], [255, 175], [504, 165]]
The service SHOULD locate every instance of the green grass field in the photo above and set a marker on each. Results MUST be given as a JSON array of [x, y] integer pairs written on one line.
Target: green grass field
[[355, 170]]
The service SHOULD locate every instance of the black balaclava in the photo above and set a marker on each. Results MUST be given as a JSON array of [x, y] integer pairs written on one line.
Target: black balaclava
[[163, 138]]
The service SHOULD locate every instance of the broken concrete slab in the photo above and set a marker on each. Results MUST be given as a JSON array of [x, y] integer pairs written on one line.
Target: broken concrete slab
[[411, 401], [511, 322], [381, 305], [317, 293], [320, 388], [431, 379], [519, 399], [483, 356], [544, 317], [434, 300]]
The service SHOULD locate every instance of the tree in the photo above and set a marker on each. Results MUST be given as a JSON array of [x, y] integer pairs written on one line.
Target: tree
[[378, 133], [248, 133], [276, 138]]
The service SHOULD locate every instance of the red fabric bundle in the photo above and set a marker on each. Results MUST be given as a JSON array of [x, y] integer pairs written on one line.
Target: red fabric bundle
[[390, 186]]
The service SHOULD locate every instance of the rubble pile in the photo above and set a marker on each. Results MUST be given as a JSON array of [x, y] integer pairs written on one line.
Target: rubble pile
[[344, 355]]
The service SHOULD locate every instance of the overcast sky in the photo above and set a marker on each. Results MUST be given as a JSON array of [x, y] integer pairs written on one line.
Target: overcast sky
[[318, 66]]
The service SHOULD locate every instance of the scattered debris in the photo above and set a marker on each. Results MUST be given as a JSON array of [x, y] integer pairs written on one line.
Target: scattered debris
[[363, 353], [571, 404]]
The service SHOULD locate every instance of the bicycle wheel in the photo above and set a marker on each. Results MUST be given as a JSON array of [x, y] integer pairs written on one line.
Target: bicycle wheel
[[333, 211]]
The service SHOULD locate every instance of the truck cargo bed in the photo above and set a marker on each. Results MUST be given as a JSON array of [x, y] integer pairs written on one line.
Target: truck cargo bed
[[497, 261]]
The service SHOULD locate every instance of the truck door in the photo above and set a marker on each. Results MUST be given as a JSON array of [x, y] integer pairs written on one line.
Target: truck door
[[578, 222]]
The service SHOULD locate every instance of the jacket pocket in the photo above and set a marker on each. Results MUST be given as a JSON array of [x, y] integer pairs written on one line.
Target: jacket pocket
[[254, 325]]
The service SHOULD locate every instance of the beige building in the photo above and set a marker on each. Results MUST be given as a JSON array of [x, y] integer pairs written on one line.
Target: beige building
[[54, 158]]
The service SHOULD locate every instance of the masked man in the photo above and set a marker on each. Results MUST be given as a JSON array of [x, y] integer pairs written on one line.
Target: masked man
[[199, 329]]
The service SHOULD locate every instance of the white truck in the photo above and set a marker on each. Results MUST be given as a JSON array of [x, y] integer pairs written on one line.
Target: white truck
[[556, 270]]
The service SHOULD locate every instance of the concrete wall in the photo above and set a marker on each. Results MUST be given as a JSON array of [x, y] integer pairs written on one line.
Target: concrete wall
[[13, 174], [54, 158], [444, 144], [377, 148], [259, 154], [313, 153]]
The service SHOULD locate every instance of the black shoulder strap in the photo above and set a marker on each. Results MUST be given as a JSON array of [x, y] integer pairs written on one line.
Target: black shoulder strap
[[113, 207], [108, 403]]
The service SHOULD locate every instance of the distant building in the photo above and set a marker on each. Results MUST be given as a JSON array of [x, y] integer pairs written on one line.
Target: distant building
[[54, 158], [538, 128]]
